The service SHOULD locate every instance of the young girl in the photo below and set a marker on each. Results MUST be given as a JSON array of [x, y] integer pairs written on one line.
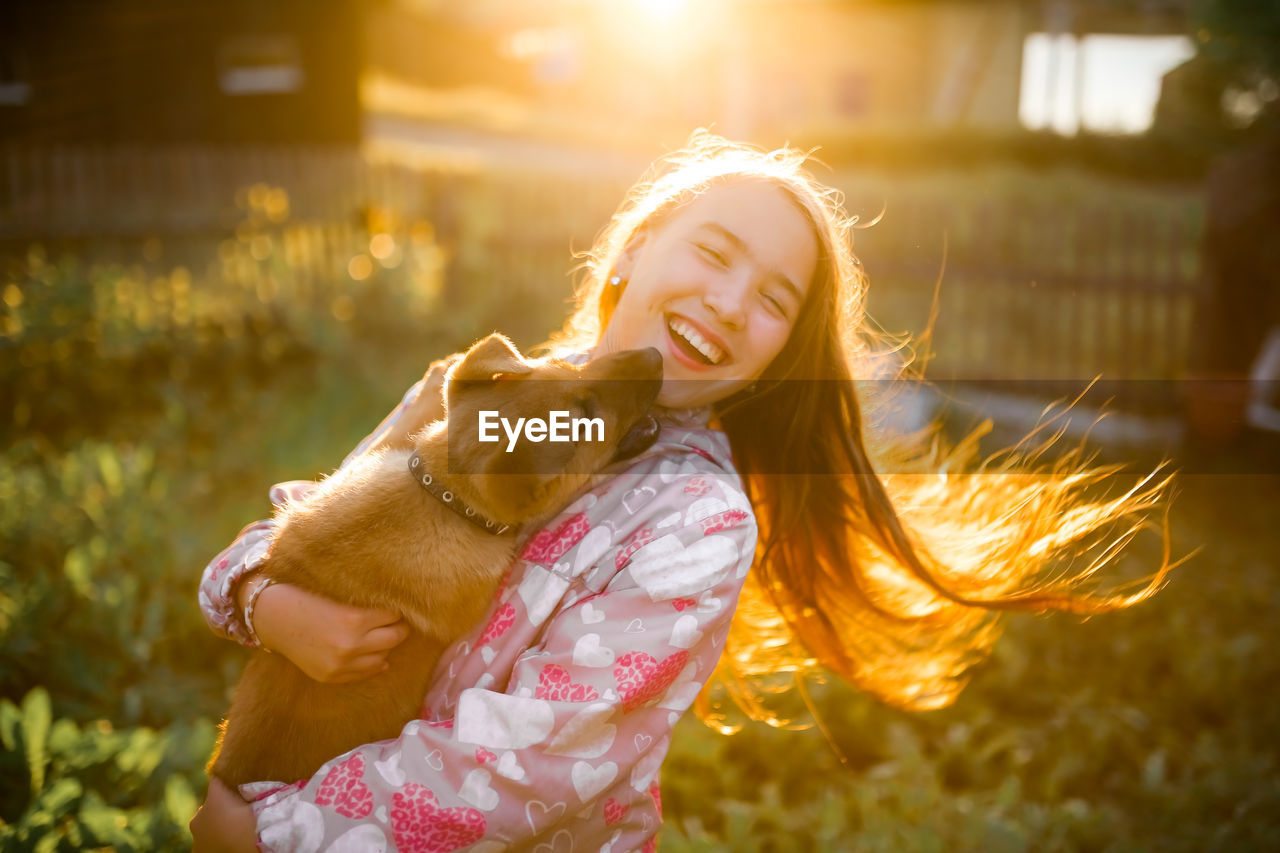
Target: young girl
[[549, 722]]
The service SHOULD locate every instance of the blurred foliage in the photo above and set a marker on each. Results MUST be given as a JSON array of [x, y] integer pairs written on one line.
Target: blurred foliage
[[1229, 92], [1241, 35], [144, 414], [91, 786], [145, 410]]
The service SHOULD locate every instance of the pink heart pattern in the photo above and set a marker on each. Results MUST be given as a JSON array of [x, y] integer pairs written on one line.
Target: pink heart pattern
[[503, 619], [722, 521], [344, 789], [682, 603], [484, 756], [642, 678], [421, 826], [547, 546], [638, 540], [614, 811], [555, 684], [697, 486]]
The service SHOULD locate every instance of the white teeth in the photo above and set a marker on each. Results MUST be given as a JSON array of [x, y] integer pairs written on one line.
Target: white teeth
[[713, 353]]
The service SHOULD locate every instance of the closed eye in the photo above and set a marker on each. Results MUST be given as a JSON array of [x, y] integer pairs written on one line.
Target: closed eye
[[776, 304], [712, 254]]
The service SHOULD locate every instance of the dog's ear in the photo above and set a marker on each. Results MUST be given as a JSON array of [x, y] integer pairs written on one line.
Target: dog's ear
[[491, 359]]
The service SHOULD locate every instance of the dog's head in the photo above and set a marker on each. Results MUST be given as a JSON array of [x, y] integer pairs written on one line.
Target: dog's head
[[524, 436]]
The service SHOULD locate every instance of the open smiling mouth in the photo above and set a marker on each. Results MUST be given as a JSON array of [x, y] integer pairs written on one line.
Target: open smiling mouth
[[693, 344]]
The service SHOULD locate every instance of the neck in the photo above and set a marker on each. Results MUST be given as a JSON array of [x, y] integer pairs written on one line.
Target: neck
[[428, 464]]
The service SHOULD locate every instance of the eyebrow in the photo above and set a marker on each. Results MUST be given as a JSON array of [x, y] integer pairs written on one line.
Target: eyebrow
[[742, 247]]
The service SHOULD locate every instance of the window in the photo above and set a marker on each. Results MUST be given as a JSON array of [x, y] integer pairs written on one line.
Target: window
[[260, 65], [1101, 83]]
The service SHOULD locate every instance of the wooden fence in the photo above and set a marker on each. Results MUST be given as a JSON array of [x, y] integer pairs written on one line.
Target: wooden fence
[[1048, 280]]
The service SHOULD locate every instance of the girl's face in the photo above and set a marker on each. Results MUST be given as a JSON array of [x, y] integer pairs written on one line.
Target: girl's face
[[716, 288]]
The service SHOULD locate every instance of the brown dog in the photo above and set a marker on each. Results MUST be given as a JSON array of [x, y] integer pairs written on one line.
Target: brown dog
[[404, 528]]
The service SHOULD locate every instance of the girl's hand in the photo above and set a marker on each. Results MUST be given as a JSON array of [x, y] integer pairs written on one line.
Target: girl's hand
[[225, 823], [329, 641]]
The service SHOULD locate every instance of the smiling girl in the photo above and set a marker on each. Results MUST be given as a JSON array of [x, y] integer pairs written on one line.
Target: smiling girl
[[717, 289], [768, 495]]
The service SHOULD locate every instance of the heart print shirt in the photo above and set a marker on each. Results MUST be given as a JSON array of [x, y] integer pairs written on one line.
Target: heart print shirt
[[544, 727]]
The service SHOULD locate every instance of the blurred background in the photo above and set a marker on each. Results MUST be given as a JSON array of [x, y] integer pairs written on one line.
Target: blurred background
[[232, 234]]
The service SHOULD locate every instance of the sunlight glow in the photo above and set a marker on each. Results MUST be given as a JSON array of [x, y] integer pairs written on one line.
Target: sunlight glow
[[664, 10]]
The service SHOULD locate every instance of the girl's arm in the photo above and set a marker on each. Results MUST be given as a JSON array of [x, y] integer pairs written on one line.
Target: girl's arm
[[327, 640], [572, 743]]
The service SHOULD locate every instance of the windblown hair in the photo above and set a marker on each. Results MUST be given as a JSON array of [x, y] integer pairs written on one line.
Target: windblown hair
[[883, 557]]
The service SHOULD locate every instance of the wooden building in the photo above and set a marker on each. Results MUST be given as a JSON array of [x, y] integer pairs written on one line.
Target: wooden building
[[145, 72]]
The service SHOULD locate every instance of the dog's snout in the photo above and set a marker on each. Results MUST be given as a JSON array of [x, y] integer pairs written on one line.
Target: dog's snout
[[635, 374], [650, 360], [643, 363], [646, 366]]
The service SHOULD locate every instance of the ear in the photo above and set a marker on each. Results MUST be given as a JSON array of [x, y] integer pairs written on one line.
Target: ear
[[484, 362], [626, 261]]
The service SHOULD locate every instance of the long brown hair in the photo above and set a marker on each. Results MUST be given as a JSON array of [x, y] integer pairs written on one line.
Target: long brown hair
[[882, 557]]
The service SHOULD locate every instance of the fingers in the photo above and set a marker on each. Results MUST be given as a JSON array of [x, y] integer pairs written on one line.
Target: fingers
[[365, 666], [386, 638], [364, 630], [365, 641], [331, 642], [368, 656], [367, 619]]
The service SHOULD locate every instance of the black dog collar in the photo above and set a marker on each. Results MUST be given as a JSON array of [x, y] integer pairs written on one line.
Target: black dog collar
[[418, 471]]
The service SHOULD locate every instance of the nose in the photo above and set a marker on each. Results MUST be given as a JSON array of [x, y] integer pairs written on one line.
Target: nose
[[642, 364], [727, 300]]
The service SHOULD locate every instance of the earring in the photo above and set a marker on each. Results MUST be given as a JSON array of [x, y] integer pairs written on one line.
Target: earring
[[615, 280]]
